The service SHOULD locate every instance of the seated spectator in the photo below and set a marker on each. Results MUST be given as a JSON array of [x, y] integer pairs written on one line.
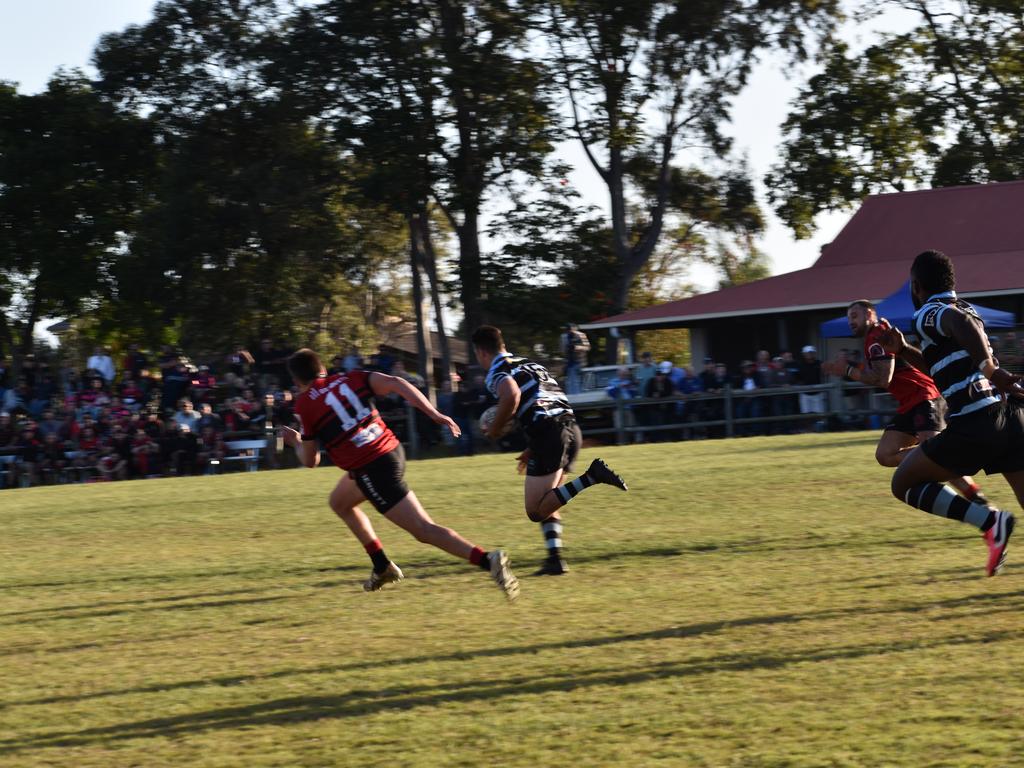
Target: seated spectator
[[52, 459], [207, 418], [49, 425], [8, 434], [17, 400], [211, 449], [175, 381], [110, 465], [132, 397], [118, 413], [121, 442], [153, 426], [30, 449], [43, 393], [70, 428], [187, 416], [178, 449], [145, 454]]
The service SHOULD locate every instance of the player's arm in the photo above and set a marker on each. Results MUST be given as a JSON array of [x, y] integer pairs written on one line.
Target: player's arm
[[308, 451], [894, 343], [383, 385], [508, 402], [877, 374], [969, 334]]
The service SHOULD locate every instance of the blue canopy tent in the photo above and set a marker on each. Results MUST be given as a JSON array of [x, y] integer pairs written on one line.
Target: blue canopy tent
[[898, 309]]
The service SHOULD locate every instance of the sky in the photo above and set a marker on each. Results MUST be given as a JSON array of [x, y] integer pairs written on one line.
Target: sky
[[39, 36]]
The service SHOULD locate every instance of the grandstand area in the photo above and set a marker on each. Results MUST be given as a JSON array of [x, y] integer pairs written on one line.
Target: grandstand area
[[762, 602]]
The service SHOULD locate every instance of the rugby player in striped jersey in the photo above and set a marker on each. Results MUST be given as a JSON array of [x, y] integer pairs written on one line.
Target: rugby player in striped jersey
[[527, 393], [920, 410], [337, 413], [985, 408]]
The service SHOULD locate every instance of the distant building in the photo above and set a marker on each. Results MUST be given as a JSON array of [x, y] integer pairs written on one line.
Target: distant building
[[981, 227]]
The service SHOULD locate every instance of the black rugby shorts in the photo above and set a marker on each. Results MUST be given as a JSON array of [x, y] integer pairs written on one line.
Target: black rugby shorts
[[382, 481]]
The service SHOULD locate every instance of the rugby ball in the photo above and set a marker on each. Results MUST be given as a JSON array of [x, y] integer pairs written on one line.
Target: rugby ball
[[487, 418]]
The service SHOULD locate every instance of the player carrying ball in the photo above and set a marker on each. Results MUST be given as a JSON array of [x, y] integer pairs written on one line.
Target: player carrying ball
[[338, 413], [529, 394], [920, 412]]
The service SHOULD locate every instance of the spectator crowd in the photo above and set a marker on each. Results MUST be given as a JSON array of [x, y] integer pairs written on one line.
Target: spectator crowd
[[146, 416], [765, 374]]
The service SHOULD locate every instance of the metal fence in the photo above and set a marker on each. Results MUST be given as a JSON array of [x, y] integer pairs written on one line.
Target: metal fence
[[733, 412]]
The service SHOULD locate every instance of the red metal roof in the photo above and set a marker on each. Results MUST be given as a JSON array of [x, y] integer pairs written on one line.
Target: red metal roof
[[980, 227]]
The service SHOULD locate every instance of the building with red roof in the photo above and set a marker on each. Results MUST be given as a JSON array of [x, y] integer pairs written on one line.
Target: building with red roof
[[981, 227]]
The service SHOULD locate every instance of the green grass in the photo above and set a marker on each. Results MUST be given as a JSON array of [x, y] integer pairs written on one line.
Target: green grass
[[758, 602]]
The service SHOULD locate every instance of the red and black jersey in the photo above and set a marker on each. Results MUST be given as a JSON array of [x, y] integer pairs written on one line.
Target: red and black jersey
[[339, 411], [909, 386]]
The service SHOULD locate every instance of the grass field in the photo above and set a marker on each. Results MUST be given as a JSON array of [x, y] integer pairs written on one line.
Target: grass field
[[757, 602]]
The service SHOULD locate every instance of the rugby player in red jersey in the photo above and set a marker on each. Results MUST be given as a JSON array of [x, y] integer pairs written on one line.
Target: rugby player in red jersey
[[920, 412], [337, 413]]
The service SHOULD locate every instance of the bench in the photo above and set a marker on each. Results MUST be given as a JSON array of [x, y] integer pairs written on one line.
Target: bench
[[248, 452]]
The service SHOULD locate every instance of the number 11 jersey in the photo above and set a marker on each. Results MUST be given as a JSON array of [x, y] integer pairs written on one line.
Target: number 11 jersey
[[339, 411]]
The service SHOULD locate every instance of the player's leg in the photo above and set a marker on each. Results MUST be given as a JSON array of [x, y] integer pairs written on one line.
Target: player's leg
[[345, 500], [537, 489], [919, 482], [893, 447], [544, 494], [409, 515], [965, 484], [383, 483]]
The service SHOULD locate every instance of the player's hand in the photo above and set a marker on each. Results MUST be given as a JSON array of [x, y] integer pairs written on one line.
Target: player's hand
[[291, 437], [892, 340], [447, 421], [522, 460], [1009, 384]]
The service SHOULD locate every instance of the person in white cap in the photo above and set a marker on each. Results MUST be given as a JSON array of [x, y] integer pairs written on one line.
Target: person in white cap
[[810, 374]]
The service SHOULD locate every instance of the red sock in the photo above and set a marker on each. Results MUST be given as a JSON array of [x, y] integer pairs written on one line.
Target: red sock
[[374, 546], [476, 556]]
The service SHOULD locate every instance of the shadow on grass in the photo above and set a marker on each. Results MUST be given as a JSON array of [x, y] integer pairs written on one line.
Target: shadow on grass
[[361, 703], [1008, 601]]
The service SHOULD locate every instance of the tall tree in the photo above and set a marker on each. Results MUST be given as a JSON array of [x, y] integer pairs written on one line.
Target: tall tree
[[440, 97], [253, 224], [74, 174], [937, 105], [648, 79]]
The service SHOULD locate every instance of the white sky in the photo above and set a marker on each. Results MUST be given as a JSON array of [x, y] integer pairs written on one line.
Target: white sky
[[38, 36]]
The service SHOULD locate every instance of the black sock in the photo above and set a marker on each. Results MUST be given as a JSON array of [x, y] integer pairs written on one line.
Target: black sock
[[376, 553]]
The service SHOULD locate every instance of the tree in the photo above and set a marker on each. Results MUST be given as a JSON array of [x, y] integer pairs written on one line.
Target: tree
[[646, 80], [440, 94], [254, 223], [938, 105], [74, 176]]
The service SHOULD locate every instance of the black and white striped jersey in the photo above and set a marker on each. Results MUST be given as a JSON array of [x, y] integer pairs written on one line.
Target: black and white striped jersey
[[540, 398], [963, 386]]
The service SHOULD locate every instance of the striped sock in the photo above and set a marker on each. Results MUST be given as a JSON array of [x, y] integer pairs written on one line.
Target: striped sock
[[567, 492], [552, 530], [941, 500]]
